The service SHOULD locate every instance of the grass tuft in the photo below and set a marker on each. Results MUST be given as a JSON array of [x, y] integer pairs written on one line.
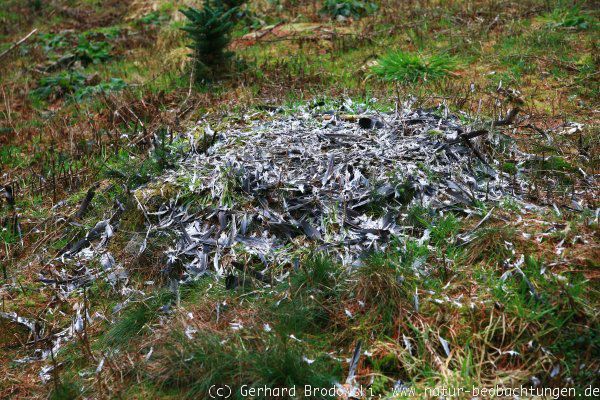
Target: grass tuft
[[318, 272], [412, 68], [195, 365], [491, 245], [134, 319], [65, 390]]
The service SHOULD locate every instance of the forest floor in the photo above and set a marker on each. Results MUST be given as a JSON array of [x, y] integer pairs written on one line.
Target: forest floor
[[162, 238]]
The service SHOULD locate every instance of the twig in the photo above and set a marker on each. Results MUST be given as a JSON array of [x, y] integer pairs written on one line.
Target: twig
[[509, 119], [192, 77], [467, 136], [17, 44], [86, 202]]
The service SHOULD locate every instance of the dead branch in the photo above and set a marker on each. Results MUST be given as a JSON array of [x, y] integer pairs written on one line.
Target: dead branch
[[470, 135], [86, 201], [17, 44], [509, 119]]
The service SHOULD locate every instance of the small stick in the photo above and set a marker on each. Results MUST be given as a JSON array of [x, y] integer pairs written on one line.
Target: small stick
[[86, 202], [8, 194], [509, 119], [468, 136], [15, 45], [55, 378]]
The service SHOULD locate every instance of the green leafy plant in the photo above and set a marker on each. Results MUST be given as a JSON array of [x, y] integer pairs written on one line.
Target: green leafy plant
[[92, 52], [570, 18], [59, 85], [83, 49], [113, 85], [348, 8], [52, 41], [153, 18], [210, 29], [411, 68], [74, 84]]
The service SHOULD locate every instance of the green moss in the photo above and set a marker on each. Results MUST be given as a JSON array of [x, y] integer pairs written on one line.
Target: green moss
[[509, 168]]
